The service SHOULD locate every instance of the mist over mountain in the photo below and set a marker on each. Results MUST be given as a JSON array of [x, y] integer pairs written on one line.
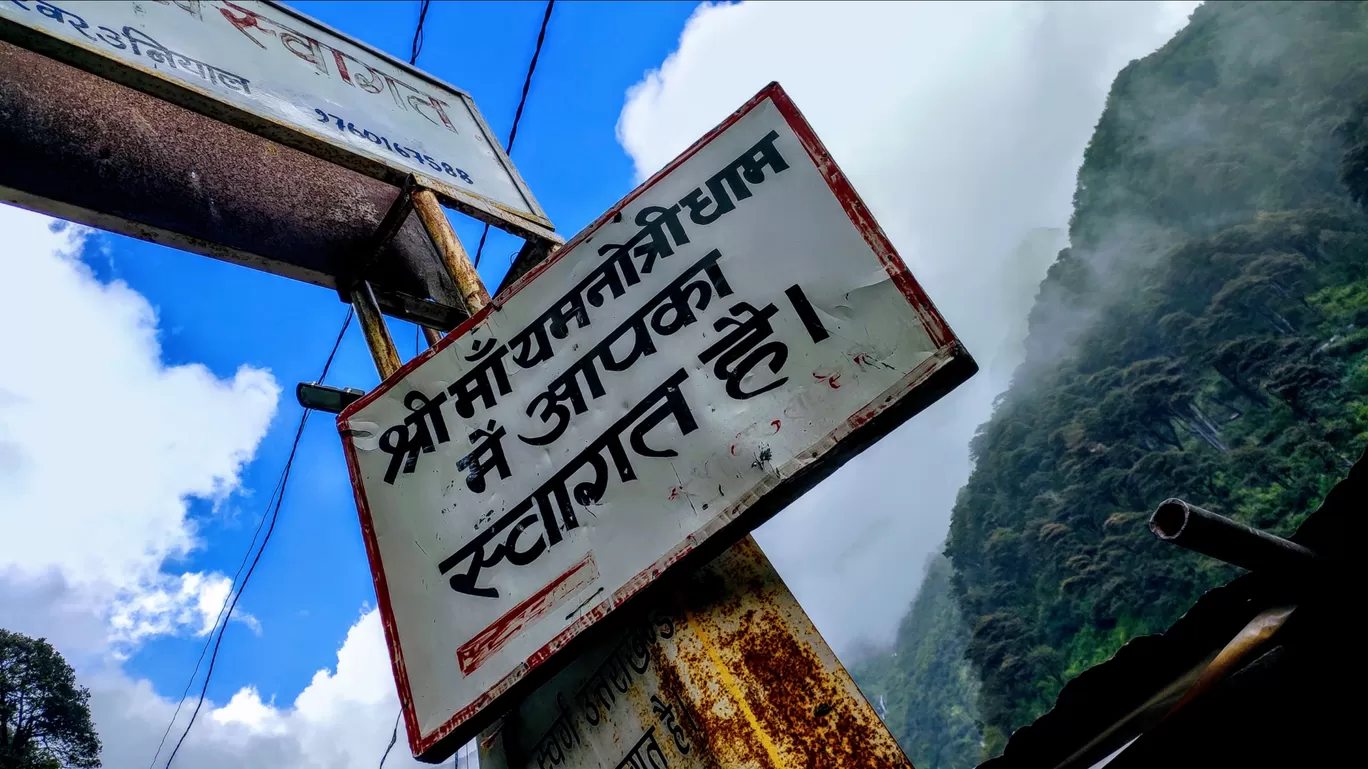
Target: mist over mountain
[[1204, 334]]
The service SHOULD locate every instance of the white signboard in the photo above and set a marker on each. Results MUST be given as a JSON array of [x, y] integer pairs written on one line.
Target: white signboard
[[725, 336], [302, 82]]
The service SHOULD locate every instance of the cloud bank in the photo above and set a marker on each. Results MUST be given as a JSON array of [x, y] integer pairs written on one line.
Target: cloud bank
[[102, 449]]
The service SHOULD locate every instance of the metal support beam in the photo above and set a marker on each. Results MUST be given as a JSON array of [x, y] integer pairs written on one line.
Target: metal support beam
[[1217, 536], [453, 254], [389, 227], [432, 336], [378, 339]]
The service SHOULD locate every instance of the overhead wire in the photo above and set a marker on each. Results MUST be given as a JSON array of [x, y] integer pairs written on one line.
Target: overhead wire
[[394, 737], [230, 603], [508, 149], [277, 498], [522, 102], [416, 49]]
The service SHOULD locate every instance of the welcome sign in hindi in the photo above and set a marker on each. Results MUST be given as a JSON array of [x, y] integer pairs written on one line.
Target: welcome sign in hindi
[[737, 324]]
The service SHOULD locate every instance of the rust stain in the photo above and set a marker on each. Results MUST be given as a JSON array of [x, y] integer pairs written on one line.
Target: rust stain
[[765, 690], [816, 719]]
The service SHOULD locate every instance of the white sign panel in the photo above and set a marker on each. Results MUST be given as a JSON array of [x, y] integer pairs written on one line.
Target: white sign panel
[[735, 328], [301, 80]]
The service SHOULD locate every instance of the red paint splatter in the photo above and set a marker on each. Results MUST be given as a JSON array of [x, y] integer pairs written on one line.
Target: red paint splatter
[[776, 426], [833, 380]]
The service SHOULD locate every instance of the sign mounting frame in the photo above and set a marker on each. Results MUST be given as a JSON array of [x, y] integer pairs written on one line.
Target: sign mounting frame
[[531, 223]]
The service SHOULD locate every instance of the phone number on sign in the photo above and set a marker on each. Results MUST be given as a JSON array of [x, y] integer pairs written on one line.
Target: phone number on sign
[[405, 152]]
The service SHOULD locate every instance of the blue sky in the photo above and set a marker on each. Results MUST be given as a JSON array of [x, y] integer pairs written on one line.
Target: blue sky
[[313, 579]]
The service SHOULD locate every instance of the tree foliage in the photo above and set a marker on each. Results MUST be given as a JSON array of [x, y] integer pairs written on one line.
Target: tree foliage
[[923, 687], [1205, 336], [44, 716]]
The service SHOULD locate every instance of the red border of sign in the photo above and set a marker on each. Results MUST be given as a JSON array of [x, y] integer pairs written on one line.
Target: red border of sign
[[860, 216]]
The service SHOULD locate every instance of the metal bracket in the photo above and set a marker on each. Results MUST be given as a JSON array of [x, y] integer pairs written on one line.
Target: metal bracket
[[389, 227], [435, 318]]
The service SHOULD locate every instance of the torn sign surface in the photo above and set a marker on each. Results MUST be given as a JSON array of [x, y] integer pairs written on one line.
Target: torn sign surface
[[722, 339]]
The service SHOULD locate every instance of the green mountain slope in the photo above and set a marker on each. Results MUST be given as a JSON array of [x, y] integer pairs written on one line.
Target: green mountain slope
[[923, 687], [1205, 336]]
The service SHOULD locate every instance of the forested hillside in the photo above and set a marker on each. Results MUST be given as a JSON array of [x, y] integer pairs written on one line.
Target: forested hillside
[[923, 687], [1204, 336]]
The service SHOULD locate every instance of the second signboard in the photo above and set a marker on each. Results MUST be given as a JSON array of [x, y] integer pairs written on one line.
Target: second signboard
[[283, 75], [723, 338]]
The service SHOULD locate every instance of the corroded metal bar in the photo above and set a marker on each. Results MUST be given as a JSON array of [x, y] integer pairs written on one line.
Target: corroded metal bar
[[433, 336], [724, 671], [1217, 536], [394, 219], [378, 339], [454, 255], [86, 149]]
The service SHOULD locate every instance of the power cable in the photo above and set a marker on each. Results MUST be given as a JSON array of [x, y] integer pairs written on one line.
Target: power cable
[[522, 102], [394, 737], [417, 47], [413, 59], [508, 148], [278, 497]]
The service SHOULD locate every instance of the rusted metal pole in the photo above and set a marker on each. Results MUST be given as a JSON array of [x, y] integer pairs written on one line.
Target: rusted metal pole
[[378, 339], [454, 255], [1217, 536], [725, 671], [431, 335]]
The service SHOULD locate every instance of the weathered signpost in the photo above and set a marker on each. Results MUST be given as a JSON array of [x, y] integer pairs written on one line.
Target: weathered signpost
[[711, 347], [277, 73], [556, 497]]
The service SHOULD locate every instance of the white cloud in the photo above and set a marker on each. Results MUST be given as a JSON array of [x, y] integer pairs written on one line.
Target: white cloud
[[343, 719], [191, 601], [247, 709], [962, 125], [101, 445], [101, 448]]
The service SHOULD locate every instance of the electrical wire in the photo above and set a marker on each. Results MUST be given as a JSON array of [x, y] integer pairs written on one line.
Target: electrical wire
[[522, 102], [418, 31], [394, 737], [226, 612], [413, 59], [508, 148]]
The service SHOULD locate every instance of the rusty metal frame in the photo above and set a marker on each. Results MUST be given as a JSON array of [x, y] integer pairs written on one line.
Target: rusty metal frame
[[200, 100], [356, 288]]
